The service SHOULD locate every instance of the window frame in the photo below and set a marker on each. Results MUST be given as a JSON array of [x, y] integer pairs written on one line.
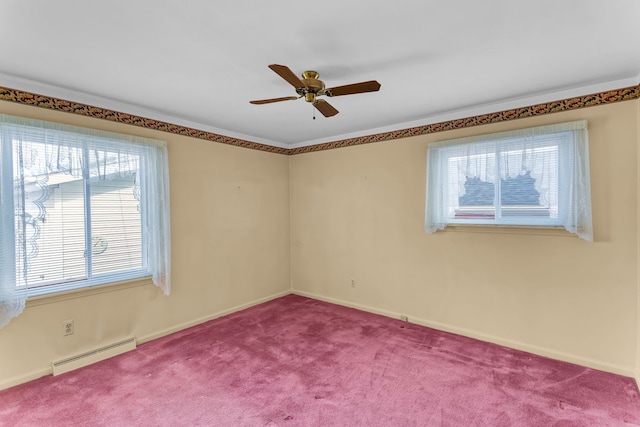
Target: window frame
[[572, 155], [90, 279], [152, 179], [517, 220]]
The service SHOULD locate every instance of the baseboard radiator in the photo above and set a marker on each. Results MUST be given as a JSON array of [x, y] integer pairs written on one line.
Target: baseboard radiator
[[93, 356]]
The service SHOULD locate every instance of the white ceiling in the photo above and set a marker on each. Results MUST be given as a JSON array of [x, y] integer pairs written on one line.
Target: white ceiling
[[198, 63]]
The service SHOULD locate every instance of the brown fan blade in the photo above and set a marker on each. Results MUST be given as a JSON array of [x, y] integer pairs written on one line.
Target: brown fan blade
[[268, 101], [370, 86], [284, 72], [325, 108]]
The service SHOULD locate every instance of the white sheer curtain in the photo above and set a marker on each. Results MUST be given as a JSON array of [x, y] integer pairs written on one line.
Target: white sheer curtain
[[156, 228], [36, 156], [555, 157], [12, 297]]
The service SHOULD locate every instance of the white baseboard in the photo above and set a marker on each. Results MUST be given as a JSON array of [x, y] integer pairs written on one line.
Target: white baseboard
[[185, 325], [21, 379], [25, 378], [11, 382], [541, 351]]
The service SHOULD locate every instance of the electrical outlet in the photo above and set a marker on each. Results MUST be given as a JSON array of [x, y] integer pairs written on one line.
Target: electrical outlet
[[68, 327], [404, 318], [353, 283]]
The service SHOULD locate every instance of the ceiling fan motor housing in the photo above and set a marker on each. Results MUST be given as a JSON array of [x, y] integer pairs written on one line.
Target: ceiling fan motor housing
[[313, 86]]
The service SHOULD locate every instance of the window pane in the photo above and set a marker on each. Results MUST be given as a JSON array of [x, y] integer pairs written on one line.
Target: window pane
[[116, 231], [471, 184], [529, 180], [50, 239], [478, 199]]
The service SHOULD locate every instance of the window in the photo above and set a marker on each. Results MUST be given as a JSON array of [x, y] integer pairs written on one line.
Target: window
[[79, 208], [530, 177]]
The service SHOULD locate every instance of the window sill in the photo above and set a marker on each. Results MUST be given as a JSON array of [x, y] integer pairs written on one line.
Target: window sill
[[535, 230], [85, 292]]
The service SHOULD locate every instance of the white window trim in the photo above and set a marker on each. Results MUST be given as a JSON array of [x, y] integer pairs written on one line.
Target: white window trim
[[575, 216], [156, 220]]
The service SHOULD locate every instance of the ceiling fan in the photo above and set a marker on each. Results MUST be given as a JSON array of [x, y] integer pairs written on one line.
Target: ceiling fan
[[311, 87]]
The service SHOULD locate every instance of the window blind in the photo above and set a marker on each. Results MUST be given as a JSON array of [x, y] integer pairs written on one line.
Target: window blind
[[535, 176], [80, 207]]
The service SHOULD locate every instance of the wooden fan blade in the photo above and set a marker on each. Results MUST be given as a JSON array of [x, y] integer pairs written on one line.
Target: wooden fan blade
[[284, 72], [269, 101], [370, 86], [325, 108]]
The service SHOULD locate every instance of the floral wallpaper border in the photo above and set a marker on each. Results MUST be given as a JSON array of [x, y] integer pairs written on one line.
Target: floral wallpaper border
[[41, 101], [608, 97]]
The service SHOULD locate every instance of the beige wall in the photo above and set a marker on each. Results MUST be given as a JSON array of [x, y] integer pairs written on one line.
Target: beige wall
[[230, 249], [637, 372], [357, 213]]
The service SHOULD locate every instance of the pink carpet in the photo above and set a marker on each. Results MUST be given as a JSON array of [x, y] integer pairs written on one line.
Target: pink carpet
[[300, 362]]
